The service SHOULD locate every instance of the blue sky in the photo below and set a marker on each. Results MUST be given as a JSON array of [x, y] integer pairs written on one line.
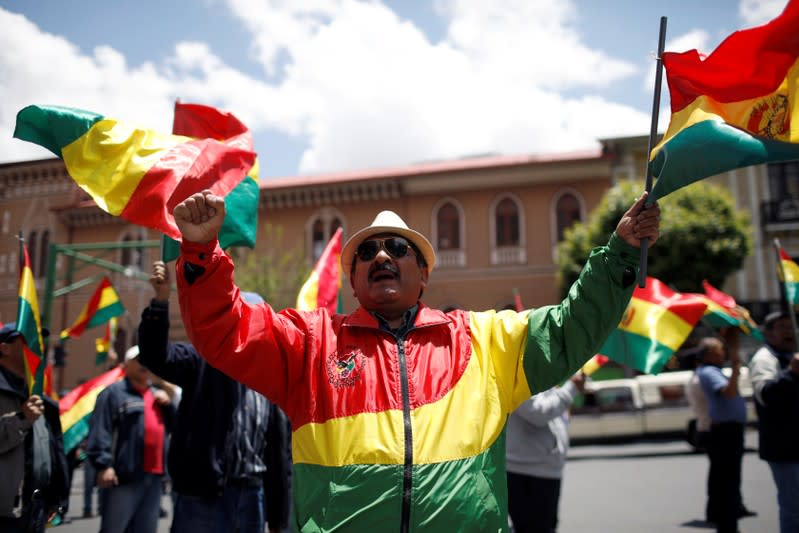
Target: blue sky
[[333, 85]]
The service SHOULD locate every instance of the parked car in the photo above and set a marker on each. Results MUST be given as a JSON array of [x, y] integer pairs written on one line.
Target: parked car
[[645, 405]]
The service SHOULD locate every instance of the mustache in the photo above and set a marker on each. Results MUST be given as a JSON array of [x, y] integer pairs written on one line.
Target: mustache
[[388, 267]]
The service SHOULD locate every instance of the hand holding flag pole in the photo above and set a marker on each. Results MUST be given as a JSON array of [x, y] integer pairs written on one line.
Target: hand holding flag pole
[[653, 131], [790, 306]]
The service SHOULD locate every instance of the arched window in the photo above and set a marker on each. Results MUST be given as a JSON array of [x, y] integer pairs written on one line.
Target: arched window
[[506, 230], [507, 223], [567, 212], [320, 228], [448, 224], [449, 233], [318, 237]]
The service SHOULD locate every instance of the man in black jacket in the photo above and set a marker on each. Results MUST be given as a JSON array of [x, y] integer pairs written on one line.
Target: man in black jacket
[[32, 462], [228, 459], [126, 445], [774, 372]]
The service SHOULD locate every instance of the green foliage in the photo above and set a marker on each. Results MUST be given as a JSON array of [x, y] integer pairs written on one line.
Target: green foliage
[[277, 274], [702, 236]]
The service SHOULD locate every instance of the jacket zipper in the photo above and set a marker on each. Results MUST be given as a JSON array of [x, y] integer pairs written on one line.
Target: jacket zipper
[[407, 477]]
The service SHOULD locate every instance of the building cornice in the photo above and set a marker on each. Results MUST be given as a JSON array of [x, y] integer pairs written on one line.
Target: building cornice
[[34, 178]]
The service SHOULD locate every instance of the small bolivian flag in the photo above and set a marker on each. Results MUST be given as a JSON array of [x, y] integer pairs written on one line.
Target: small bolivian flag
[[76, 407], [790, 277], [656, 323], [321, 289], [103, 304]]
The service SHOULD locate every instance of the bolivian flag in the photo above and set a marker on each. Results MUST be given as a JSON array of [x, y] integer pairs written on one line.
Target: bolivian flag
[[723, 312], [77, 406], [789, 276], [102, 345], [656, 323], [137, 174], [30, 326], [101, 307], [736, 107], [322, 286], [240, 227]]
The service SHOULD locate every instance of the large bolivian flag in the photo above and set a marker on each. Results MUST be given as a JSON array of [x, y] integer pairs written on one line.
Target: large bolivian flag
[[76, 407], [321, 289], [656, 323], [789, 276], [103, 304], [241, 204], [734, 108], [137, 174]]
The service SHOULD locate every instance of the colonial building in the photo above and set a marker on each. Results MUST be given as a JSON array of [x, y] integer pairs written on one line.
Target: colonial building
[[494, 221]]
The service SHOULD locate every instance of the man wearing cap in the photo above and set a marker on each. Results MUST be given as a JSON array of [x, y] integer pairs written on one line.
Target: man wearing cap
[[32, 461], [398, 410], [126, 445], [774, 373], [229, 455]]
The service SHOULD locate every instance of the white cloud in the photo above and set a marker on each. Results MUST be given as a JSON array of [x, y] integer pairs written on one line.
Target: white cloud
[[757, 12], [359, 85], [367, 89], [40, 68]]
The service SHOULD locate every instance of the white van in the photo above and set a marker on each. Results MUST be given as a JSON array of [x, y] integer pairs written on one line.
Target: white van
[[645, 405]]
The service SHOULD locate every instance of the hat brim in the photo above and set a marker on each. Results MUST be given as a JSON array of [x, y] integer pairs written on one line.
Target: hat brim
[[10, 336], [418, 240]]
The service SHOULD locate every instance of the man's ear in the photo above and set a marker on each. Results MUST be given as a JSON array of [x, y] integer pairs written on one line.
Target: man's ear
[[424, 274]]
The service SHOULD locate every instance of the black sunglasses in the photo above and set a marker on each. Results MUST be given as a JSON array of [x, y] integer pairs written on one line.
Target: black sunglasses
[[395, 246]]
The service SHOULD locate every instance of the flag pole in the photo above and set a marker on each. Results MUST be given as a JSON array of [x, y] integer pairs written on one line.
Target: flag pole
[[789, 307], [653, 131]]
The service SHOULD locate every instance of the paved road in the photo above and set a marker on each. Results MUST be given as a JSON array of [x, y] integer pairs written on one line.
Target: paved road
[[655, 487], [78, 524], [640, 487]]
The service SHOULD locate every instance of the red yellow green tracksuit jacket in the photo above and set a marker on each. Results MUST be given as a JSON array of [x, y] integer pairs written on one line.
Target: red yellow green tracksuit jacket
[[400, 434]]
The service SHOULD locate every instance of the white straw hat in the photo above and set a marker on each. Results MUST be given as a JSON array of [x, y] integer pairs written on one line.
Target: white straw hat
[[387, 222]]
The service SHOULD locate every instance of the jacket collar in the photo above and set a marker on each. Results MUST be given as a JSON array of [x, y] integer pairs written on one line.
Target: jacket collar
[[425, 316]]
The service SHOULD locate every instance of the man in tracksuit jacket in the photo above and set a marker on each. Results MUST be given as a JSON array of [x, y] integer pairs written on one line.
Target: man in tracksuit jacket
[[223, 459], [398, 410]]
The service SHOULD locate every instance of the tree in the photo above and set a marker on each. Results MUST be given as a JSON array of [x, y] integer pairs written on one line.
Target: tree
[[702, 236], [277, 273]]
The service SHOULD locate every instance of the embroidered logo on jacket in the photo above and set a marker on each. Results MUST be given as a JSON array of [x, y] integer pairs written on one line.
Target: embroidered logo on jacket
[[345, 370]]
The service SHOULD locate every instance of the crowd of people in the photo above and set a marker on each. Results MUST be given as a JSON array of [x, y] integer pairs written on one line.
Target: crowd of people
[[396, 410]]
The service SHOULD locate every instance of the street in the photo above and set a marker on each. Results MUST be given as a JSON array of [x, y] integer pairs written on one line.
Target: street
[[655, 487], [652, 487]]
